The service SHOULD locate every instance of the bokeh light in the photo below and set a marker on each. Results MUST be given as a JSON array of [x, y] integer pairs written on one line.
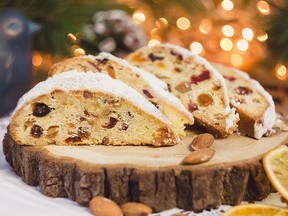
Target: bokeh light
[[228, 30], [242, 45], [196, 47], [138, 17], [263, 7], [226, 44], [236, 60], [183, 23], [227, 5], [247, 34], [205, 26]]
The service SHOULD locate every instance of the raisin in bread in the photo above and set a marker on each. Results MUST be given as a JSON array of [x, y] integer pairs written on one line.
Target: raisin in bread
[[76, 108], [194, 81], [254, 105], [154, 89]]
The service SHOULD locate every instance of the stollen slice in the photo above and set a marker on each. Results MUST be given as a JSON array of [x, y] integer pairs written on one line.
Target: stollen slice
[[194, 81], [254, 105], [152, 88], [75, 108]]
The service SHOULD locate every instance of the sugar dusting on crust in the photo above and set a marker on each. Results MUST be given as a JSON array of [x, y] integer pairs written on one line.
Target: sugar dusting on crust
[[95, 82], [156, 85]]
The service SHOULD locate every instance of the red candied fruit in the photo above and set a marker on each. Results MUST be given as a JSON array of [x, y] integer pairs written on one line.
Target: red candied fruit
[[243, 90], [192, 106], [203, 76], [230, 78], [147, 93]]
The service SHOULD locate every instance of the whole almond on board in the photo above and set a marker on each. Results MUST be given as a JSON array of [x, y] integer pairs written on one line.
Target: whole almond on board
[[101, 206], [202, 141], [198, 156], [135, 209]]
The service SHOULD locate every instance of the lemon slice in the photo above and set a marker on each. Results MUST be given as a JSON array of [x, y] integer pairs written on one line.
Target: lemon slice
[[276, 167], [256, 210]]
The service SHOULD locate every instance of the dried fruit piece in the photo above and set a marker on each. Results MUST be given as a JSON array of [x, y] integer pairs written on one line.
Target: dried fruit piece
[[205, 100], [124, 126], [52, 131], [239, 100], [41, 109], [169, 87], [179, 56], [111, 71], [83, 132], [161, 65], [112, 122], [161, 136], [101, 206], [95, 65], [36, 131], [177, 69], [199, 156], [243, 90], [135, 209], [153, 57], [183, 87], [104, 61], [105, 140], [147, 93], [202, 141], [230, 78], [192, 106], [200, 78], [87, 95], [72, 139]]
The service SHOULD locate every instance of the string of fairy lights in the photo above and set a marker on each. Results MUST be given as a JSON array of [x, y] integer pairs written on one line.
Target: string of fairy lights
[[227, 34]]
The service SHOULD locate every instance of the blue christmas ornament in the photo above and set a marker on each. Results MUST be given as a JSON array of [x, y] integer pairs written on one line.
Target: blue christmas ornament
[[16, 33]]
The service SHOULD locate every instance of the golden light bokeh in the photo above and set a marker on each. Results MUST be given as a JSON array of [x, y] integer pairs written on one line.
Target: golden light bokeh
[[37, 59], [236, 60], [153, 42], [248, 34], [205, 26], [281, 71], [226, 44], [242, 45], [227, 5], [228, 30], [263, 7], [183, 23], [79, 52], [263, 37], [72, 37], [161, 23], [196, 47], [138, 17]]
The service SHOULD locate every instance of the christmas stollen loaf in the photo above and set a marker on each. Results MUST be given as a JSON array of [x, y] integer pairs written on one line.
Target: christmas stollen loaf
[[194, 81], [75, 108], [254, 105], [152, 88]]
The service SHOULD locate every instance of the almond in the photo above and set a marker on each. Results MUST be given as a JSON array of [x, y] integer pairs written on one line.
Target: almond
[[202, 141], [198, 156], [135, 209], [102, 206]]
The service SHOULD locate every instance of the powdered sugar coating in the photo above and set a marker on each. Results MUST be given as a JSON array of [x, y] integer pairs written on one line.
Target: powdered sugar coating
[[158, 86], [95, 82]]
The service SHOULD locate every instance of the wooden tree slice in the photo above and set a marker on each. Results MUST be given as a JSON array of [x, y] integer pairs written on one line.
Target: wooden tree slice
[[153, 176]]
